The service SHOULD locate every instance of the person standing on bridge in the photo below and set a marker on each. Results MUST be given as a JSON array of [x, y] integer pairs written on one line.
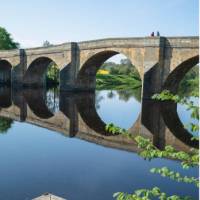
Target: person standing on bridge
[[152, 34], [158, 34]]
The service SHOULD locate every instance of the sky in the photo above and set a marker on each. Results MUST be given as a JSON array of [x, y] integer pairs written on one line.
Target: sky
[[31, 22]]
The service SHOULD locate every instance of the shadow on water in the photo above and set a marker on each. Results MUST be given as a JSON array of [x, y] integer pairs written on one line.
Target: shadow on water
[[173, 122], [157, 121], [36, 100], [5, 97], [87, 109]]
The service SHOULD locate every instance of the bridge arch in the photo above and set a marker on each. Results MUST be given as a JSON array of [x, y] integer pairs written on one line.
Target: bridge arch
[[5, 72], [36, 72], [86, 78], [172, 81]]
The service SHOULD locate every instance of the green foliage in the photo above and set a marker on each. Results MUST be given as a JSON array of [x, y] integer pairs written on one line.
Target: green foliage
[[166, 95], [195, 138], [117, 82], [125, 67], [52, 75], [6, 42], [147, 194], [166, 172], [190, 82], [149, 151], [115, 129], [5, 124]]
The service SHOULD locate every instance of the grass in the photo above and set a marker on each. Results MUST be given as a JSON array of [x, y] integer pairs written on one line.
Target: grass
[[117, 81]]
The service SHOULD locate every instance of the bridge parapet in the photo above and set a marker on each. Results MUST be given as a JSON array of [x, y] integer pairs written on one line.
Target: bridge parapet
[[8, 53], [50, 49], [120, 42], [182, 42]]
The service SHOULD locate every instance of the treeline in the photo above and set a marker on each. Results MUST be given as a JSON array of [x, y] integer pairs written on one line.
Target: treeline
[[125, 67], [6, 41], [121, 76]]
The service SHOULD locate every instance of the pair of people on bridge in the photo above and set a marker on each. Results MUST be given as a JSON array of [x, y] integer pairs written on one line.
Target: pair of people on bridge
[[157, 34]]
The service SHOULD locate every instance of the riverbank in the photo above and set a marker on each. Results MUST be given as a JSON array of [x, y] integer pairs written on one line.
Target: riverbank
[[109, 81]]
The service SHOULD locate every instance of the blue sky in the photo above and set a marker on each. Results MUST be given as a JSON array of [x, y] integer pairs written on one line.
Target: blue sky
[[31, 22]]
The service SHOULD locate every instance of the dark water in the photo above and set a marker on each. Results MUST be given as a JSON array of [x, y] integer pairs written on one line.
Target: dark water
[[57, 143]]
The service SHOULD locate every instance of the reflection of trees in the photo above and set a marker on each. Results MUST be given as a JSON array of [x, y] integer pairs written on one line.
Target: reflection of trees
[[111, 94], [98, 98], [52, 100], [5, 124], [125, 95]]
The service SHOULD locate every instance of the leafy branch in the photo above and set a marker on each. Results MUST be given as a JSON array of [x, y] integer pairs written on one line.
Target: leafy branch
[[166, 172], [149, 151], [147, 194]]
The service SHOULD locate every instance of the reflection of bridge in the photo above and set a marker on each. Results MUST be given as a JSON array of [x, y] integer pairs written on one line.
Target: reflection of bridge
[[161, 62], [77, 116]]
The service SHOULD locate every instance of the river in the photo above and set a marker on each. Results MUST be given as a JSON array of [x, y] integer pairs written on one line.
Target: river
[[57, 143]]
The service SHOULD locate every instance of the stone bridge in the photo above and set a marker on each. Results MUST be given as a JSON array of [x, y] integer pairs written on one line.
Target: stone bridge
[[161, 62], [78, 117]]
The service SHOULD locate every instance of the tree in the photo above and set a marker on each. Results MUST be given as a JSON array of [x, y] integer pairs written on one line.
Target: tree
[[5, 124], [114, 70], [6, 41], [125, 61], [52, 74], [46, 43]]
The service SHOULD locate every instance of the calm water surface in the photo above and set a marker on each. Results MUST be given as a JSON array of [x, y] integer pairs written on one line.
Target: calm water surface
[[60, 145]]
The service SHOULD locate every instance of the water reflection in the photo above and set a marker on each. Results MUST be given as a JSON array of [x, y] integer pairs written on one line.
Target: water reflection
[[52, 99], [36, 100], [5, 97], [112, 106], [77, 115], [186, 118]]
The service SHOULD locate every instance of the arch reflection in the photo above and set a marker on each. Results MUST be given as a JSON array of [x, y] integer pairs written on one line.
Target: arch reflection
[[78, 117], [35, 99], [173, 122], [5, 97]]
